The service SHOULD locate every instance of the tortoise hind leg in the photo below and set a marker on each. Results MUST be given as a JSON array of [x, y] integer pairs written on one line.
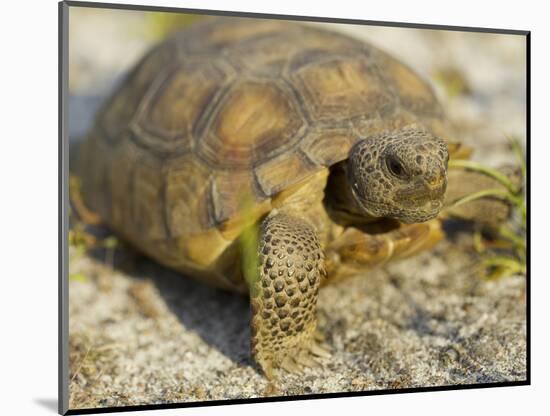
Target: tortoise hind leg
[[355, 251], [284, 295]]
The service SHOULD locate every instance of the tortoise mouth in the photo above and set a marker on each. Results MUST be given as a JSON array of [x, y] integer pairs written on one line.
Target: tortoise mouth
[[428, 212], [413, 213]]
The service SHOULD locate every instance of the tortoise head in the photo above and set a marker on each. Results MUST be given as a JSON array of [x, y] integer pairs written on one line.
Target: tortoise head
[[400, 175]]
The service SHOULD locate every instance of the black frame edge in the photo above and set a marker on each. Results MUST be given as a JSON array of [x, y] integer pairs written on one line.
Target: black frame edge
[[293, 398], [528, 198], [93, 4], [63, 200]]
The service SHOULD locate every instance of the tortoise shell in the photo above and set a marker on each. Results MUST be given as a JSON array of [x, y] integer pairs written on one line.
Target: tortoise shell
[[215, 122]]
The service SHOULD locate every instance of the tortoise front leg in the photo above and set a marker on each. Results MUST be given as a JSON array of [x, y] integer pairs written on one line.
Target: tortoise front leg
[[284, 295]]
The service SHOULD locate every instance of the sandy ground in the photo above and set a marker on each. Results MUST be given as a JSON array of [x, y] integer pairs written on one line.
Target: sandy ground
[[149, 336], [142, 334]]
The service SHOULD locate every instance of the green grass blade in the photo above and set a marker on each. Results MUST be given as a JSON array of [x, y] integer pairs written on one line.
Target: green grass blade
[[486, 193], [493, 173]]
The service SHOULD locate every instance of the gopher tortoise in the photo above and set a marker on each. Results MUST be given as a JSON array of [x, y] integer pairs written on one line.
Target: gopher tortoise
[[271, 158]]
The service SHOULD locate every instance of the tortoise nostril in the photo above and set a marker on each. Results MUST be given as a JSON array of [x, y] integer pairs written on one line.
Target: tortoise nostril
[[436, 182]]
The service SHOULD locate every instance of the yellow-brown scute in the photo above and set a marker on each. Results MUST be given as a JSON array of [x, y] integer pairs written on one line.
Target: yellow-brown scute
[[255, 120], [349, 85]]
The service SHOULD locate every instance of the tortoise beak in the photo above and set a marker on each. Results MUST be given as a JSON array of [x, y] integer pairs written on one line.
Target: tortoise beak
[[420, 191], [423, 199]]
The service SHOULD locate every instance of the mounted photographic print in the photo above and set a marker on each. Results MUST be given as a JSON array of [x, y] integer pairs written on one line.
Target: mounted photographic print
[[262, 207]]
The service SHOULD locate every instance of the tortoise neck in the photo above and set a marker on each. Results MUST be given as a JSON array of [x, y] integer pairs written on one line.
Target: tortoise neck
[[339, 200]]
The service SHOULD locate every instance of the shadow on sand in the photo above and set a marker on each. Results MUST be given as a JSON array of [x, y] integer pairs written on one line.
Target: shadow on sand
[[219, 317]]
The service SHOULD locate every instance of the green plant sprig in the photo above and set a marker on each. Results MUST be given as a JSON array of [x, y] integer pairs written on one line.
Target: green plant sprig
[[513, 232]]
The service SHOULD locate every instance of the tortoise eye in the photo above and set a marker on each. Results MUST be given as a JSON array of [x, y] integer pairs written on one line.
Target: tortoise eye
[[395, 167]]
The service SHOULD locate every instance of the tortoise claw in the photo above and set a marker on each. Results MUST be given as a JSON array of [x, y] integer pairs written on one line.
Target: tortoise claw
[[290, 365], [307, 360], [319, 350]]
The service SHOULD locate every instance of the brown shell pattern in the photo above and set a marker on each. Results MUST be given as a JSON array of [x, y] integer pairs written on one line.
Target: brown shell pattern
[[230, 112]]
